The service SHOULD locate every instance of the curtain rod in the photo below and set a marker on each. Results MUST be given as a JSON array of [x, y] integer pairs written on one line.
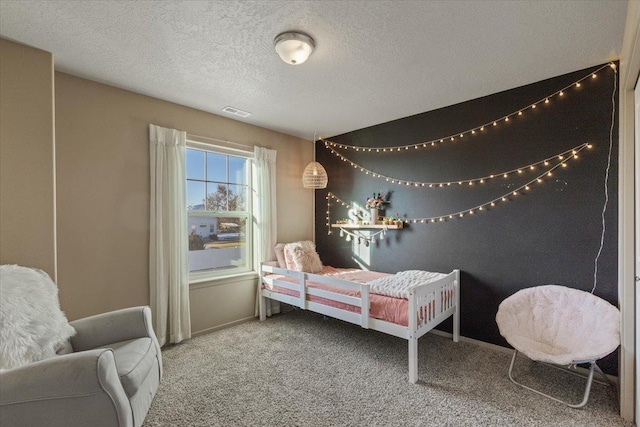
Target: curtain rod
[[190, 135]]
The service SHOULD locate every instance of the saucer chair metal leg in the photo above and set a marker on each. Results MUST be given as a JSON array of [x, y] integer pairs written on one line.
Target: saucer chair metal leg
[[587, 390]]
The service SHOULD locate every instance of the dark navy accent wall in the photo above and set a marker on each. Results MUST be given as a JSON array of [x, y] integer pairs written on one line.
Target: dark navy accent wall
[[548, 235]]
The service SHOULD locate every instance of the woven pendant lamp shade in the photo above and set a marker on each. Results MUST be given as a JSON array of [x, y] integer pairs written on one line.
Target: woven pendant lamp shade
[[314, 176]]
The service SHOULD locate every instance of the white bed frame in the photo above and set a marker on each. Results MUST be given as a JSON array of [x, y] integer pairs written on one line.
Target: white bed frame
[[421, 317]]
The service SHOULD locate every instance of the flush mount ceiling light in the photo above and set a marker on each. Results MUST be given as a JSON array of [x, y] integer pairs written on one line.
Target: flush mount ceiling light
[[294, 48]]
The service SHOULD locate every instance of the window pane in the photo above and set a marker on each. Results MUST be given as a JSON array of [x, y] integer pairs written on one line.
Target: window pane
[[224, 248], [216, 167], [237, 170], [195, 164], [216, 197], [237, 197], [195, 196]]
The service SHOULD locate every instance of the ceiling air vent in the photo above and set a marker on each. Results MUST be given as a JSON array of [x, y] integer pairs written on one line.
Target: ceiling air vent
[[236, 112]]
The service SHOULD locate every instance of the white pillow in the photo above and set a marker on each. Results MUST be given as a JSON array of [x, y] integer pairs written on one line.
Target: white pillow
[[302, 256], [32, 326], [307, 245], [307, 261]]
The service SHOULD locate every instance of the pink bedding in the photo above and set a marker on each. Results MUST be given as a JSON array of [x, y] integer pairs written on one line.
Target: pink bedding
[[394, 310]]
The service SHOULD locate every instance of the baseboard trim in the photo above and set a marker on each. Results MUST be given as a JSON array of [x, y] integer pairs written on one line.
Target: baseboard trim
[[473, 341], [507, 350], [223, 326]]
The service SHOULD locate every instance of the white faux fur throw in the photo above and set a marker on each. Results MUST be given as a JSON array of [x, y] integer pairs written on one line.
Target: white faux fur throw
[[398, 285], [32, 326]]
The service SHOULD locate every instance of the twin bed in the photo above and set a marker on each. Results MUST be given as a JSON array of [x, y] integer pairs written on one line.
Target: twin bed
[[406, 305]]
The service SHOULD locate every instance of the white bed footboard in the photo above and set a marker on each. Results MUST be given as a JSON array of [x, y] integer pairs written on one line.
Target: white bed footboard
[[429, 304], [434, 302]]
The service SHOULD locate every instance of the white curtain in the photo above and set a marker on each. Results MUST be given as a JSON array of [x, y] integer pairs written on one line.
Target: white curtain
[[264, 207], [168, 246]]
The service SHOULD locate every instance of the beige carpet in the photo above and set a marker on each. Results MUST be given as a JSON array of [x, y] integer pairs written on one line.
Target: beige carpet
[[300, 369]]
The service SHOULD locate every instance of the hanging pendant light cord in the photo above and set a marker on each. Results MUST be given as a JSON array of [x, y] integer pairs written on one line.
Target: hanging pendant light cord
[[315, 138], [606, 180]]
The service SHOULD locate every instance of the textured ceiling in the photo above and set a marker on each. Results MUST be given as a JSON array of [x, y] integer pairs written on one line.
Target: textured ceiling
[[375, 61]]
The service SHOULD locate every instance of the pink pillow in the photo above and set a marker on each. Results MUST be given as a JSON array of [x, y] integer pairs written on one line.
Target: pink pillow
[[279, 250]]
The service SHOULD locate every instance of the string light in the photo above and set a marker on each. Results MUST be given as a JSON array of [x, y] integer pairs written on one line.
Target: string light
[[561, 158], [495, 122], [481, 180], [491, 203], [459, 214]]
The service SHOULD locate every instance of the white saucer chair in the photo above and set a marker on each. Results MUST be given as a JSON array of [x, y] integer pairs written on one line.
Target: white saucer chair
[[559, 326]]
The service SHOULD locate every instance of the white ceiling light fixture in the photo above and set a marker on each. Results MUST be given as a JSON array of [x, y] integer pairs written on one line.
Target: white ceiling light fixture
[[294, 48], [314, 175]]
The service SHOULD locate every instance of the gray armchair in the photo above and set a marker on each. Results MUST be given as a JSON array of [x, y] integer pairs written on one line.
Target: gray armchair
[[108, 376]]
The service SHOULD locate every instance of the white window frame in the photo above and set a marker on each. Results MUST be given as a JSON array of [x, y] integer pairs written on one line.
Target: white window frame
[[202, 276]]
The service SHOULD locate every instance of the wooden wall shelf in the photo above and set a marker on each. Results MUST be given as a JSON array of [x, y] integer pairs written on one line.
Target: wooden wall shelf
[[367, 226]]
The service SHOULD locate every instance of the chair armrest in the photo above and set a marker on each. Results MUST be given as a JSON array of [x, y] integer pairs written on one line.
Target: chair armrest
[[63, 390], [108, 328]]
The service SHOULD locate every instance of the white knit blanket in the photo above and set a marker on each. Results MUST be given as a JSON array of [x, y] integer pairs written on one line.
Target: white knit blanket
[[398, 285]]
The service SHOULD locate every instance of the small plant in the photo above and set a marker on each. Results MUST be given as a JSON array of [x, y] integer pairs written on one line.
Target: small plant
[[377, 201], [397, 220]]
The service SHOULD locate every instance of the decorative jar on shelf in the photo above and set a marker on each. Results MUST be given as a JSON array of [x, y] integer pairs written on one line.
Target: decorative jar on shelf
[[375, 214]]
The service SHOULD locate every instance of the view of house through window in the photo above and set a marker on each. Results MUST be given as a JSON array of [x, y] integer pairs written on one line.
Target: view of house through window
[[218, 210]]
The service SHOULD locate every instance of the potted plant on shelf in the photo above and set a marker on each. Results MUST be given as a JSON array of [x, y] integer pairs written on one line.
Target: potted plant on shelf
[[397, 220], [375, 204]]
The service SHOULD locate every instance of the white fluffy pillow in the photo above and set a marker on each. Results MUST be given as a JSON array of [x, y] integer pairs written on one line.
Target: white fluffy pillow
[[307, 261], [32, 326], [307, 245], [302, 256]]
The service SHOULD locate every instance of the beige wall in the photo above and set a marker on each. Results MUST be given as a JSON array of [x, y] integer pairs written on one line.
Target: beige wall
[[27, 187], [102, 161]]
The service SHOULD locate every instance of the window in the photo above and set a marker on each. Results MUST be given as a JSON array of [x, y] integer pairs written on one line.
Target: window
[[219, 211]]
